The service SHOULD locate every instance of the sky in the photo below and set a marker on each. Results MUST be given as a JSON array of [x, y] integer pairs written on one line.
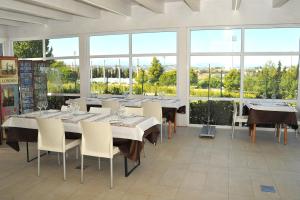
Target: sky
[[202, 41]]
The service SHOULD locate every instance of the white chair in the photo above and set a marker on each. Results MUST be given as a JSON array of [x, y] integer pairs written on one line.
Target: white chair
[[237, 118], [97, 141], [114, 105], [154, 109], [82, 104], [51, 137], [64, 108], [134, 110], [105, 111]]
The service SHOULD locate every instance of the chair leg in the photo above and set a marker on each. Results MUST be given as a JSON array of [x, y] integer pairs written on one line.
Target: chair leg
[[161, 133], [81, 169], [111, 173], [58, 159], [64, 163], [233, 129], [39, 162], [77, 150], [99, 163]]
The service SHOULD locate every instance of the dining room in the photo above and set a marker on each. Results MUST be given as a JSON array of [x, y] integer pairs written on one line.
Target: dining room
[[139, 99]]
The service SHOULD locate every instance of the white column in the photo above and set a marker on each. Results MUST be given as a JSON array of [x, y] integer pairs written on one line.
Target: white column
[[8, 47], [84, 65], [183, 70]]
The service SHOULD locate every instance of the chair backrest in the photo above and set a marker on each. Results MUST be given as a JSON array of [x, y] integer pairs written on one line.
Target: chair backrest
[[96, 139], [51, 134], [134, 110], [105, 111], [82, 104], [152, 109], [64, 108], [114, 105]]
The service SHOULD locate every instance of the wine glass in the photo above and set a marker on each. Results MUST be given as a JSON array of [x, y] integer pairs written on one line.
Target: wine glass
[[45, 105], [40, 106]]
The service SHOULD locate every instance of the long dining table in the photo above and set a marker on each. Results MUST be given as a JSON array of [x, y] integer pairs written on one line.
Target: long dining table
[[128, 131], [170, 106], [274, 113]]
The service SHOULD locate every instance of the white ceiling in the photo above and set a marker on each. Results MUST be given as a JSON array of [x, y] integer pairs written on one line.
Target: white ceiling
[[24, 12]]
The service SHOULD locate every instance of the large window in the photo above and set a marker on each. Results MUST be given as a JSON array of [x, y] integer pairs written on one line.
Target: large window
[[150, 60], [154, 63], [109, 64], [271, 63], [29, 49], [63, 75], [269, 59]]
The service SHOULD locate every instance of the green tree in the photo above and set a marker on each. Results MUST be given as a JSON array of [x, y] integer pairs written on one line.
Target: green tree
[[31, 49], [155, 71], [168, 78], [141, 76], [232, 80], [288, 84], [193, 77]]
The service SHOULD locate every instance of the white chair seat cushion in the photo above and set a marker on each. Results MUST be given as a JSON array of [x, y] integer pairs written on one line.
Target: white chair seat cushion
[[88, 153], [72, 143]]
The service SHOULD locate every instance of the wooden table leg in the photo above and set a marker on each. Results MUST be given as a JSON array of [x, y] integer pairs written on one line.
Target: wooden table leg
[[250, 130], [285, 134], [254, 133]]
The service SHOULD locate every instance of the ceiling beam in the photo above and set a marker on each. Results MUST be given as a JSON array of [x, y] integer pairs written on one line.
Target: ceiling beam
[[156, 6], [193, 4], [279, 3], [120, 7], [69, 6], [236, 4], [22, 7], [11, 22], [22, 18]]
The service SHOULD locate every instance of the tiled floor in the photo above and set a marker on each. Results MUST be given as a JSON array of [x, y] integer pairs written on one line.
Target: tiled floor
[[185, 167]]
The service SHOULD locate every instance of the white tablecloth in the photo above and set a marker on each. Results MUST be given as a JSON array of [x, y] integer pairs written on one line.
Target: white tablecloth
[[280, 107], [130, 127], [167, 103]]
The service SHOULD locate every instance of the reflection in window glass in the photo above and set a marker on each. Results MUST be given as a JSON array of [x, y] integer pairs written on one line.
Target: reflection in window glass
[[271, 77], [224, 76], [63, 76], [109, 45], [216, 40], [154, 75], [161, 42], [109, 75], [272, 40], [29, 49], [64, 47]]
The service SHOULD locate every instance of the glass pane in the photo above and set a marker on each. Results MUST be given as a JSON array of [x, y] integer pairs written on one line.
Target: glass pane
[[161, 42], [219, 112], [154, 75], [216, 40], [109, 45], [224, 76], [28, 49], [63, 47], [272, 40], [109, 75], [63, 76], [271, 77]]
